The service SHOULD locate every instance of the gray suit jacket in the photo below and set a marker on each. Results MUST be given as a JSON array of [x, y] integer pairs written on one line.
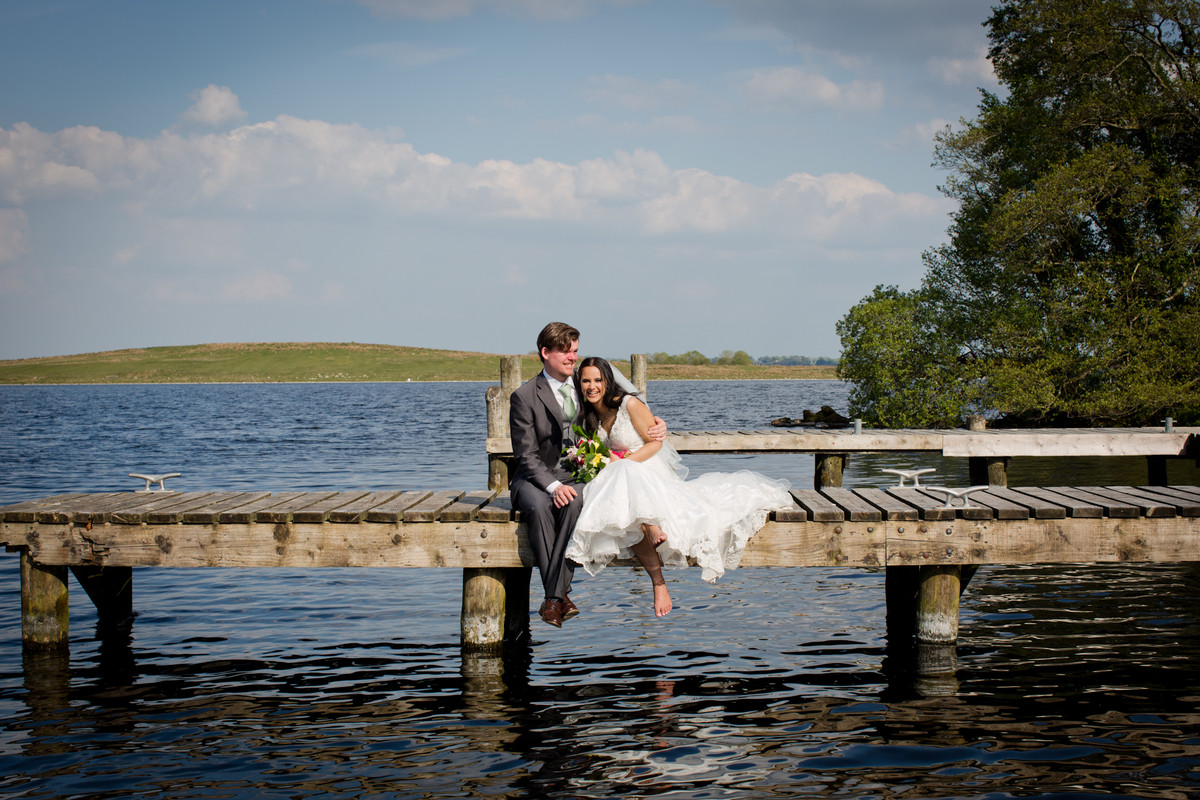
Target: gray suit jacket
[[536, 422]]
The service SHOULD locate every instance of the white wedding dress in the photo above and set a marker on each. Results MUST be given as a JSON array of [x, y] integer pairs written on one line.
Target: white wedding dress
[[707, 520]]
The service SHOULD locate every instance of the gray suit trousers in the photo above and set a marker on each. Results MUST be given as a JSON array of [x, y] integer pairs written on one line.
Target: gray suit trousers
[[549, 530]]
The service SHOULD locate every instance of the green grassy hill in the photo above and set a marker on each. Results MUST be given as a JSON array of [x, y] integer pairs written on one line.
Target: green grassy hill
[[300, 362]]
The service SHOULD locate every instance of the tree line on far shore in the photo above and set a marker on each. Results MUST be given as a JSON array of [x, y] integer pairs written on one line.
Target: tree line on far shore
[[739, 358], [1069, 290]]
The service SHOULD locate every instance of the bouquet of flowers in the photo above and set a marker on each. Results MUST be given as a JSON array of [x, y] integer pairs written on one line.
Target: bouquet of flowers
[[588, 455]]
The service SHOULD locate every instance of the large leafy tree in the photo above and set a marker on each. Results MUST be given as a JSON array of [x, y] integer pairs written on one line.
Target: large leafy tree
[[1067, 293]]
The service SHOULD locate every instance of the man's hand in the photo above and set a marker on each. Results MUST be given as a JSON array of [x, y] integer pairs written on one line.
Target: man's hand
[[657, 431], [564, 494]]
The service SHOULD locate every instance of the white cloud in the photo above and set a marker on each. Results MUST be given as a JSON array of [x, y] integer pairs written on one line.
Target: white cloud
[[14, 234], [795, 89], [964, 71], [408, 54], [918, 135], [871, 31], [215, 107], [204, 192]]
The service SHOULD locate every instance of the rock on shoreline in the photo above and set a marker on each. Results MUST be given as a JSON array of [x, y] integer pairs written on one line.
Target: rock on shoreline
[[825, 418]]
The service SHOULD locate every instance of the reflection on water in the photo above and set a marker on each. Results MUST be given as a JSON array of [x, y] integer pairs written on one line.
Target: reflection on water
[[1071, 681]]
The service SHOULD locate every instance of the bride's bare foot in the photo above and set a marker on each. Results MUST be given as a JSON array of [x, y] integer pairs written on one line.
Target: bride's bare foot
[[656, 534], [662, 600]]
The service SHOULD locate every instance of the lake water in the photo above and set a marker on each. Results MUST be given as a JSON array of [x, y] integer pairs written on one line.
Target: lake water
[[1072, 681]]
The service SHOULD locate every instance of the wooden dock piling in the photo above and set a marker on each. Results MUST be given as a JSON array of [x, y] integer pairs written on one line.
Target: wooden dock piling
[[45, 621]]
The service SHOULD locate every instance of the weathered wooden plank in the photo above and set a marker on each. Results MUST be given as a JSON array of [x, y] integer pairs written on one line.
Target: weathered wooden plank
[[1108, 506], [466, 507], [1155, 496], [1076, 508], [428, 509], [1002, 507], [59, 513], [1040, 507], [1071, 540], [950, 442], [796, 513], [319, 511], [893, 508], [356, 511], [930, 508], [139, 514], [479, 544], [1083, 442], [100, 509], [173, 513], [393, 510], [210, 511], [816, 544], [26, 510], [1186, 505], [819, 508], [500, 509], [1147, 507], [283, 511], [856, 508], [286, 544], [246, 512], [969, 510], [1190, 491]]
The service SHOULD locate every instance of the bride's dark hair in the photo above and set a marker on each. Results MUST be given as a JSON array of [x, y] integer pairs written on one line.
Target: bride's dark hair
[[588, 418]]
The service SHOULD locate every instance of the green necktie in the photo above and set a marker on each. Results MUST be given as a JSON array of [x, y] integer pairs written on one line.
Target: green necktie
[[568, 401]]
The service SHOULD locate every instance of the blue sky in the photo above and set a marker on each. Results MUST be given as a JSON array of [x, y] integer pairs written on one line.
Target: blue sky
[[666, 175]]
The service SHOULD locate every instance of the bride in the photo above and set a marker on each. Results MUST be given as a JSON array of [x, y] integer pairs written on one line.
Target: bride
[[641, 505]]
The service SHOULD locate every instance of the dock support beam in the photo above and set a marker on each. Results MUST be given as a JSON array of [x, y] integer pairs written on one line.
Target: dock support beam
[[45, 618], [985, 470], [828, 470], [495, 608], [901, 584], [937, 604], [1157, 469], [110, 590], [499, 466]]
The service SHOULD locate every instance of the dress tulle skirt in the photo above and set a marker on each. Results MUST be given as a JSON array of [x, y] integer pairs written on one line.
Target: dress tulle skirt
[[707, 520]]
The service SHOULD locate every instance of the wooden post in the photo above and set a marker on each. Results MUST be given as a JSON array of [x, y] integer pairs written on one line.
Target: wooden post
[[637, 368], [937, 604], [110, 590], [1157, 467], [484, 609], [497, 419], [516, 603], [828, 470], [900, 590], [989, 470], [45, 618]]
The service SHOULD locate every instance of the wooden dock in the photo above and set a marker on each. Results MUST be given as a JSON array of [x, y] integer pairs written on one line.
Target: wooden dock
[[928, 548], [910, 531]]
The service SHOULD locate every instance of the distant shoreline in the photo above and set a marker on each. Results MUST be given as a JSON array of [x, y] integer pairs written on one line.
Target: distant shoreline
[[323, 362]]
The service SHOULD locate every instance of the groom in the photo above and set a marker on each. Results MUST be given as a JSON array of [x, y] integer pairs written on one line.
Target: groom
[[542, 489]]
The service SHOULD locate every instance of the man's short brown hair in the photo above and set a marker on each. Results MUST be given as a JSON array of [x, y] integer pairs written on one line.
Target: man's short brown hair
[[556, 336]]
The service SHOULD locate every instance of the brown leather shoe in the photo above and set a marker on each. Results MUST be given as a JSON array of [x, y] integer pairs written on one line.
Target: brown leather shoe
[[551, 612], [569, 609]]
